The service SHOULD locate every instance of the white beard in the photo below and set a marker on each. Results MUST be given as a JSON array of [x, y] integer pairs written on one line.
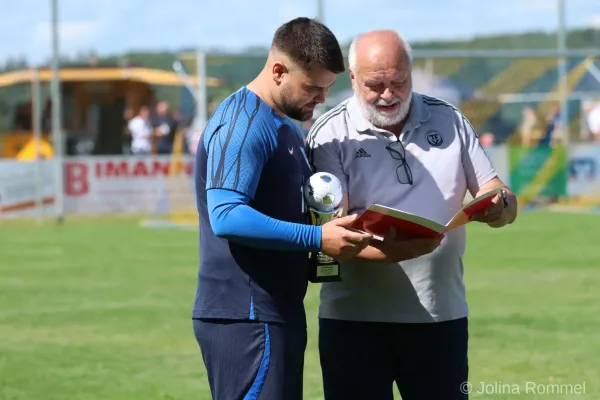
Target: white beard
[[383, 119]]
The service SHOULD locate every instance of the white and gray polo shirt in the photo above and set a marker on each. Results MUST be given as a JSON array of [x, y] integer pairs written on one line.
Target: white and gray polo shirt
[[429, 174]]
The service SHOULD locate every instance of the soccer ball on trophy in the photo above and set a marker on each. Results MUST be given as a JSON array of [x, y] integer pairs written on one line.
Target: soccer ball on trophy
[[323, 192]]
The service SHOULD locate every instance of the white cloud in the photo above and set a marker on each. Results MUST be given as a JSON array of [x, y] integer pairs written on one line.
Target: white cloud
[[73, 35], [593, 21], [290, 10], [536, 5], [113, 26]]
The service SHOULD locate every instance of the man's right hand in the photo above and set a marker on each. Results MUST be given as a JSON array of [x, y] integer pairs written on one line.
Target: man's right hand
[[341, 243], [397, 249]]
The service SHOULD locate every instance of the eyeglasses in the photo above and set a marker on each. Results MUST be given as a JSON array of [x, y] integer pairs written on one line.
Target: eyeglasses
[[403, 172]]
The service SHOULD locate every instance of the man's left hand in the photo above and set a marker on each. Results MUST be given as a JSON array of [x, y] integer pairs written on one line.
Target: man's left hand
[[494, 215]]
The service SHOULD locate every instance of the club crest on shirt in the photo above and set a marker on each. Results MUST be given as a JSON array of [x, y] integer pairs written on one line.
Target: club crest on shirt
[[434, 138]]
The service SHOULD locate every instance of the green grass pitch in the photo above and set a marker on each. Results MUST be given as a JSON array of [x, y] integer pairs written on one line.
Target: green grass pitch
[[100, 309]]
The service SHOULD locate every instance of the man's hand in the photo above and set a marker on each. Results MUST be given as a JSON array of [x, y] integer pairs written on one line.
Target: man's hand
[[493, 213], [498, 214], [398, 249], [341, 243]]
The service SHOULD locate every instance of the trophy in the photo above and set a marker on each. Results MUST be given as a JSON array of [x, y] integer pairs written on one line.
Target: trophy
[[322, 268], [323, 194]]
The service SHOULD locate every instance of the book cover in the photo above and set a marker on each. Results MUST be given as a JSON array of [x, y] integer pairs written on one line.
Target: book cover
[[378, 219]]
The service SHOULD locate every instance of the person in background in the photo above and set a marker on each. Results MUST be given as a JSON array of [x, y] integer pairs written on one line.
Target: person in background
[[487, 140], [530, 127], [165, 127], [551, 135], [593, 121], [141, 131]]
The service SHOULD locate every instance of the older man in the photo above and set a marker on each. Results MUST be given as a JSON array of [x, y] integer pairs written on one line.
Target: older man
[[400, 313]]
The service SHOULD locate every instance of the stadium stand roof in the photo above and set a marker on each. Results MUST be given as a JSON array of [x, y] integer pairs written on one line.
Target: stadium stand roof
[[87, 74]]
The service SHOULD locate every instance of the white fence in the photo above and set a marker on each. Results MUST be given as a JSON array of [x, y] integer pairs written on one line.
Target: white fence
[[98, 185], [141, 184]]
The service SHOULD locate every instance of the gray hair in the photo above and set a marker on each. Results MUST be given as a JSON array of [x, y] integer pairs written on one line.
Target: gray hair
[[352, 50]]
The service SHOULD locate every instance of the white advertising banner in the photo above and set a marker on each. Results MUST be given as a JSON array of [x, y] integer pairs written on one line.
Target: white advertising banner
[[163, 184], [102, 185], [130, 185], [584, 173], [23, 185]]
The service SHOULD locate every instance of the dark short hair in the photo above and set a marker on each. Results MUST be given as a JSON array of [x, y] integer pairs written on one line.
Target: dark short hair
[[310, 44]]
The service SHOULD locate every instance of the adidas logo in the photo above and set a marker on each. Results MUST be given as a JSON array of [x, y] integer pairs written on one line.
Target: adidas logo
[[361, 153]]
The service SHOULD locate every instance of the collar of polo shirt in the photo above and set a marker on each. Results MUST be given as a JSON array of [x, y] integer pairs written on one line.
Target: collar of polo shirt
[[417, 115]]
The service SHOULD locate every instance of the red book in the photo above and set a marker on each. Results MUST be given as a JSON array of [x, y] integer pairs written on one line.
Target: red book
[[378, 219]]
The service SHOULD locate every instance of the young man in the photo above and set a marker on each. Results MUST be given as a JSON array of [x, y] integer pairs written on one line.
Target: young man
[[400, 313], [249, 317]]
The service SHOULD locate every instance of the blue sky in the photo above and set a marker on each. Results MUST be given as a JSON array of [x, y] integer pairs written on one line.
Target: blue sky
[[111, 26]]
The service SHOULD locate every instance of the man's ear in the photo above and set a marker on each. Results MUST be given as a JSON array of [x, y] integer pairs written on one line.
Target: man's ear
[[352, 78], [279, 69]]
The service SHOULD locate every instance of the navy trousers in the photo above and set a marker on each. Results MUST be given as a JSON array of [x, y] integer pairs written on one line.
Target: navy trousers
[[363, 360], [248, 360]]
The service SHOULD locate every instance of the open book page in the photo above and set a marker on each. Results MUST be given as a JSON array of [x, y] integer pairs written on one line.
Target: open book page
[[378, 219], [475, 206]]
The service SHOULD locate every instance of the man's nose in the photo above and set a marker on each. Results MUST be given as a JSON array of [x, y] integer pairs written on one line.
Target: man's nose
[[387, 95], [320, 98]]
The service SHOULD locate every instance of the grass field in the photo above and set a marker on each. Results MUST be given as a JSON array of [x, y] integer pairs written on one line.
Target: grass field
[[100, 309]]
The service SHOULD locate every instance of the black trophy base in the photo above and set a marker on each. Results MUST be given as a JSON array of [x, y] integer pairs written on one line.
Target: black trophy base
[[323, 269]]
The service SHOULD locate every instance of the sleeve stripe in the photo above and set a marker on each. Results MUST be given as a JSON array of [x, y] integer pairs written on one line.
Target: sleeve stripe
[[322, 120], [319, 125], [465, 120], [214, 140], [218, 177], [238, 158], [432, 101], [221, 173]]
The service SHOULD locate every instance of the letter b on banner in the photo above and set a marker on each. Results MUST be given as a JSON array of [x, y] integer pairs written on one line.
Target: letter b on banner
[[76, 179]]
